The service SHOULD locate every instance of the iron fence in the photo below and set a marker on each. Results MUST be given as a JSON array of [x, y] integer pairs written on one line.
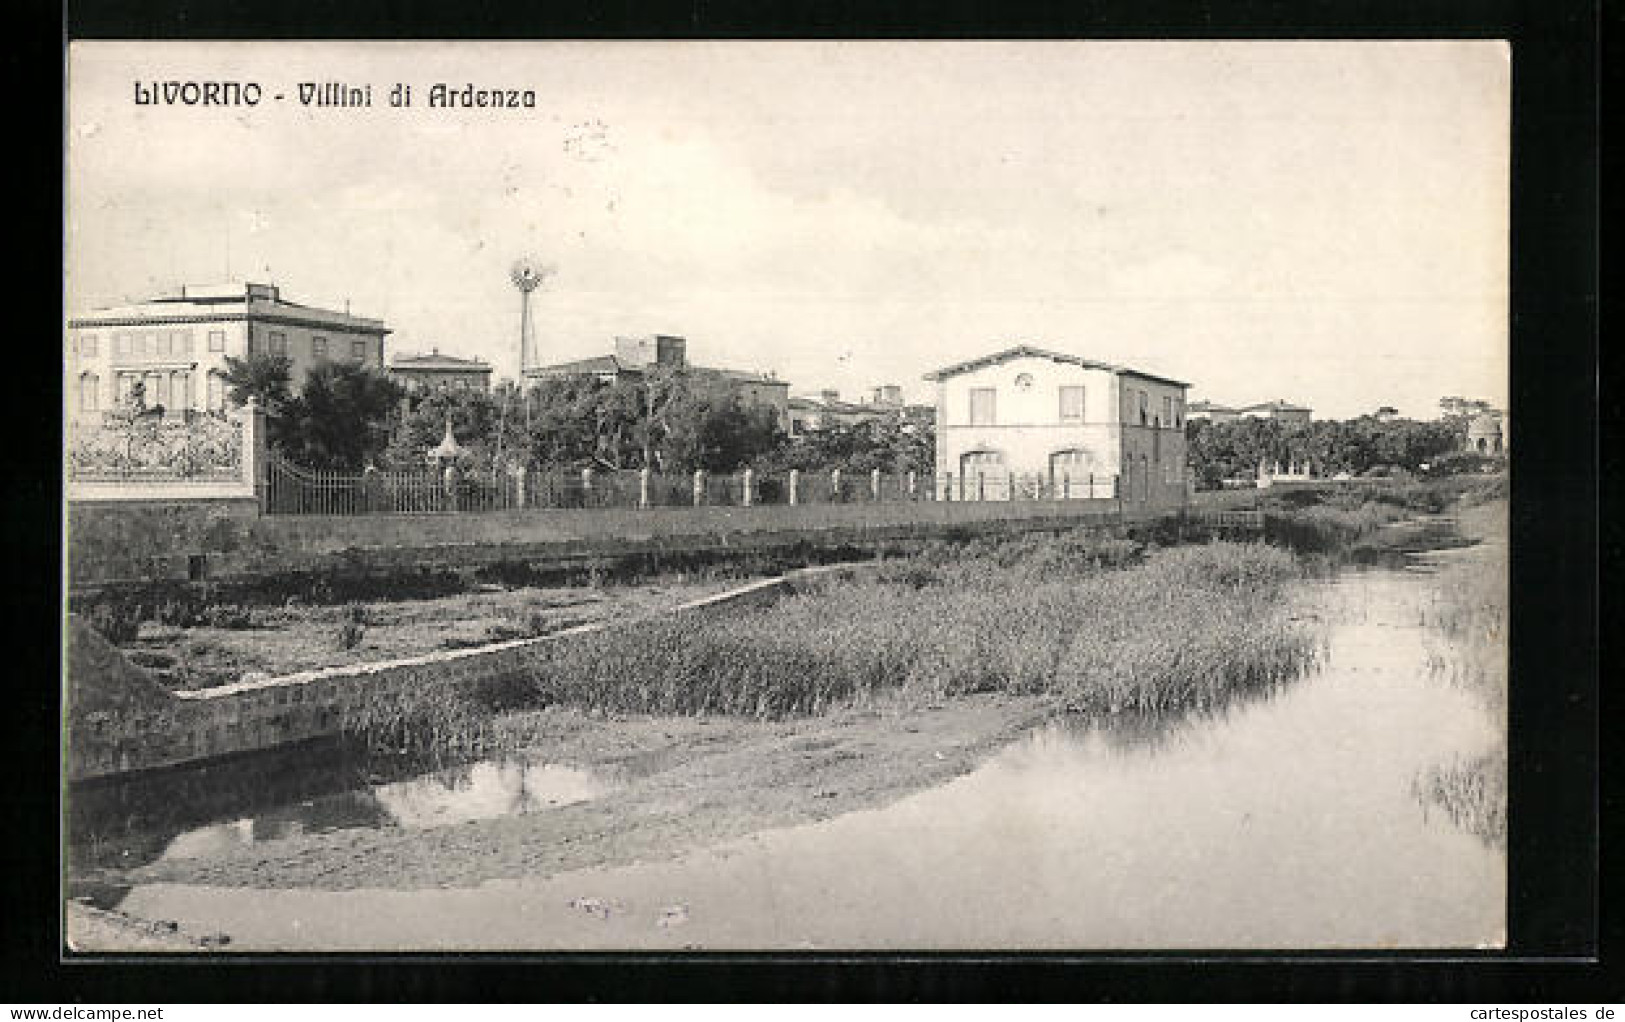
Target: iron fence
[[296, 490]]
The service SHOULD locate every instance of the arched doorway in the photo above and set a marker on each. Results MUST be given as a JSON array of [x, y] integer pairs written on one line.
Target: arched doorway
[[981, 475], [1071, 473]]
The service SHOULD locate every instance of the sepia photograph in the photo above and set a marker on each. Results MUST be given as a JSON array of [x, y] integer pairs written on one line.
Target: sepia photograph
[[821, 496]]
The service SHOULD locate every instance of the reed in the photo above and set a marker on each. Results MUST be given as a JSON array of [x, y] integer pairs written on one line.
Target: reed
[[1180, 629]]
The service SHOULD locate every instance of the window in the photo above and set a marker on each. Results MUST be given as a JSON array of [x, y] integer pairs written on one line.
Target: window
[[186, 342], [279, 344], [982, 406], [161, 391], [216, 392], [1179, 413], [217, 340], [358, 350], [126, 386], [87, 345], [318, 347], [1071, 404], [149, 343], [121, 344], [88, 388], [1145, 400], [1167, 411], [166, 342]]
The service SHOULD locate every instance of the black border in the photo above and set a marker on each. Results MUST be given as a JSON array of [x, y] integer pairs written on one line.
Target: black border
[[1553, 909]]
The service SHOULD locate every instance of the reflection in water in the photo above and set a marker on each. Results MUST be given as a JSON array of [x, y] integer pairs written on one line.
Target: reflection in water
[[216, 809], [1282, 822]]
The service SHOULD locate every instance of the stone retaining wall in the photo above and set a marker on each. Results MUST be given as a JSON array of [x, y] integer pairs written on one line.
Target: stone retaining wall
[[111, 734], [132, 542]]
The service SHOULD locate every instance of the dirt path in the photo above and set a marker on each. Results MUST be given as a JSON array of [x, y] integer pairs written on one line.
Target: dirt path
[[689, 783]]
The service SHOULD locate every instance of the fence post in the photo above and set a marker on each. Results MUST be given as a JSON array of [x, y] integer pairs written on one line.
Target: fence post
[[586, 487], [699, 486], [795, 482], [518, 474], [643, 486], [746, 481], [835, 485], [256, 467], [912, 486], [874, 484], [451, 478]]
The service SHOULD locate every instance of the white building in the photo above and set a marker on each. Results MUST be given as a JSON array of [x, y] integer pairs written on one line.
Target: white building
[[1028, 420]]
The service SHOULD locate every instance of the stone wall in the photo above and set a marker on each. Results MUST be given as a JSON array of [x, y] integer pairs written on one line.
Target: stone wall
[[222, 540], [120, 722]]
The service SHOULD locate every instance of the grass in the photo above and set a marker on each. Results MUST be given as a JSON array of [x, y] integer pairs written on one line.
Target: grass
[[1472, 793], [1353, 522], [1468, 613], [1100, 626]]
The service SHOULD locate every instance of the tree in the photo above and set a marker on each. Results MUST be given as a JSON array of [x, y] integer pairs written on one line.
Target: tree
[[264, 377], [340, 419]]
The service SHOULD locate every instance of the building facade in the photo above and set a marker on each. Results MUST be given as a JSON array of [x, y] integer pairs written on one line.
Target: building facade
[[634, 356], [1279, 410], [175, 347], [885, 402], [1029, 420], [1485, 435], [1212, 412], [423, 373]]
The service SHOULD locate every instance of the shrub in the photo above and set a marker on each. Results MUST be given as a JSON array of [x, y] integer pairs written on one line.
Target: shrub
[[117, 621], [353, 626], [226, 615]]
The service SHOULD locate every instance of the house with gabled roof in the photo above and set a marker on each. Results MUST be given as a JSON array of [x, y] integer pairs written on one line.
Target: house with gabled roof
[[1033, 421]]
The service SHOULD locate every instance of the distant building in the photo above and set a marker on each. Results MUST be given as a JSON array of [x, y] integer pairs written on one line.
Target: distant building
[[827, 409], [422, 373], [1279, 410], [633, 356], [176, 346], [1025, 413], [1484, 434], [1213, 412]]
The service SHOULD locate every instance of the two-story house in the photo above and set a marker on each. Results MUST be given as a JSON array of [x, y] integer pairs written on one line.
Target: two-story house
[[176, 346], [1028, 420]]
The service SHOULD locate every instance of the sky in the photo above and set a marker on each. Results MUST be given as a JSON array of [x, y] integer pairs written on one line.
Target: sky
[[1324, 222]]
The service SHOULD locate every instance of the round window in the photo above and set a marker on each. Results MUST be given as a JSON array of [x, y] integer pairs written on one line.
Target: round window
[[1024, 381]]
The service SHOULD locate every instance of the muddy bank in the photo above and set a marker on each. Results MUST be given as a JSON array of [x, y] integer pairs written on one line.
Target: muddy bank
[[94, 929], [680, 783]]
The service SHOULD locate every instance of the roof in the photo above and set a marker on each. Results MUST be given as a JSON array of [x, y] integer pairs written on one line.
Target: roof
[[1278, 405], [1028, 351], [223, 304], [741, 375], [1485, 422], [596, 364], [601, 364], [1209, 406], [434, 361]]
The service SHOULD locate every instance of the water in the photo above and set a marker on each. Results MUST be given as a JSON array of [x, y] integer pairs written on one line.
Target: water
[[311, 790], [1286, 822]]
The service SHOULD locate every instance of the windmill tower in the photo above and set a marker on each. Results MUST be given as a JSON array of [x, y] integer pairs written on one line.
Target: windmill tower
[[527, 276]]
